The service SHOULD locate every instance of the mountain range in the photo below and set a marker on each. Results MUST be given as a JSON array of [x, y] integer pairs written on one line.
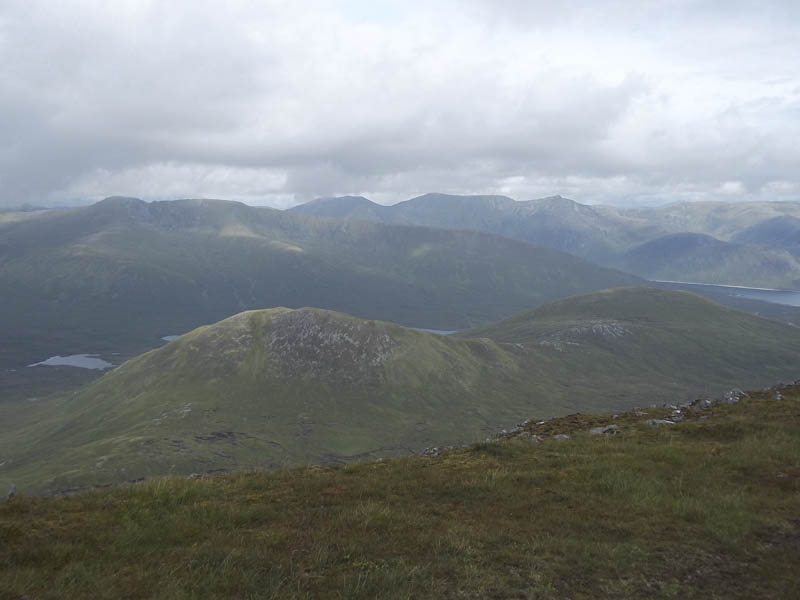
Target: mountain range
[[748, 244], [120, 274]]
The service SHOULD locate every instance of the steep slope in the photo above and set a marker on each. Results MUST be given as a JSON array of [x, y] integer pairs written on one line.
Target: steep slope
[[710, 260], [118, 275], [281, 386]]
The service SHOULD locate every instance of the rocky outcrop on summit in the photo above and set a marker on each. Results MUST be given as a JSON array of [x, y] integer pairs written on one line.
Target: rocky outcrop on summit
[[319, 344]]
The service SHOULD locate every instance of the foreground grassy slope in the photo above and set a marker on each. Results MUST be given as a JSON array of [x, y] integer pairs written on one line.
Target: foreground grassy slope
[[279, 387], [118, 275], [705, 509]]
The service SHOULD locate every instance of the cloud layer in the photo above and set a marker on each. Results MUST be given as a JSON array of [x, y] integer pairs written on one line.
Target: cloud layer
[[278, 102]]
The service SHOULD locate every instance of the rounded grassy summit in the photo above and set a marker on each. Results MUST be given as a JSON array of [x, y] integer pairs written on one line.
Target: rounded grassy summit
[[267, 388]]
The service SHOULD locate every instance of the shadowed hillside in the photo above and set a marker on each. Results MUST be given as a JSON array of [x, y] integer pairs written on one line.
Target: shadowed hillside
[[118, 275], [694, 241]]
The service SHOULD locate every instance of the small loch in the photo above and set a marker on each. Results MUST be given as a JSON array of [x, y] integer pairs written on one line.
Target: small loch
[[82, 361]]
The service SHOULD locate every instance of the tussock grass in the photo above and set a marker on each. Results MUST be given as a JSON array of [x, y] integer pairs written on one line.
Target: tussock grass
[[704, 509]]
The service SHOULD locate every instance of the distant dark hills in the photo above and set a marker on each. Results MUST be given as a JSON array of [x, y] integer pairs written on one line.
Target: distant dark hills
[[275, 387], [750, 244], [118, 275]]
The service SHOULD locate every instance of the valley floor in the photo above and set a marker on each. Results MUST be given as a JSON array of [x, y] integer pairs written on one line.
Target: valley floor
[[706, 508]]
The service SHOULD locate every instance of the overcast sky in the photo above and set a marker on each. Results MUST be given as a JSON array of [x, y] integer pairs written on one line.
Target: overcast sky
[[277, 102]]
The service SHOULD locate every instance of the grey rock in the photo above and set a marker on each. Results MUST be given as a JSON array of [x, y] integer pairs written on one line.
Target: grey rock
[[193, 476], [535, 439], [638, 412], [733, 396], [605, 430], [12, 491], [561, 436], [777, 395], [703, 418], [703, 403], [658, 422]]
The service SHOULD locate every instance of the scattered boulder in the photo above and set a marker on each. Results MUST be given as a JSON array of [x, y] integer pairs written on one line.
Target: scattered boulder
[[561, 436], [12, 491], [432, 452], [639, 412], [703, 403], [733, 396], [658, 422], [535, 439], [605, 430], [777, 395]]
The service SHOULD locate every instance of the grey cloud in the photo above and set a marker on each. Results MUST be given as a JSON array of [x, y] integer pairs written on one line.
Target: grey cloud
[[272, 102]]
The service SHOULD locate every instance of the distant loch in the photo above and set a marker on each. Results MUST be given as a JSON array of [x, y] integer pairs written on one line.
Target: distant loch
[[775, 296], [83, 361]]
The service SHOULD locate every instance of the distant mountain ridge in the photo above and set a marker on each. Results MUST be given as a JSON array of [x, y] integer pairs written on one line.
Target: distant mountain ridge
[[766, 232], [120, 274], [282, 386]]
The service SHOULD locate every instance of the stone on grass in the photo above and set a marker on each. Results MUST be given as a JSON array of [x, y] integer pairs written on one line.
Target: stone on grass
[[605, 430], [733, 396], [658, 422]]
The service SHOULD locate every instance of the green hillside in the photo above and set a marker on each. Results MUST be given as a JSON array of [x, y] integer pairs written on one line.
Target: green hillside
[[118, 275], [279, 387], [703, 509]]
